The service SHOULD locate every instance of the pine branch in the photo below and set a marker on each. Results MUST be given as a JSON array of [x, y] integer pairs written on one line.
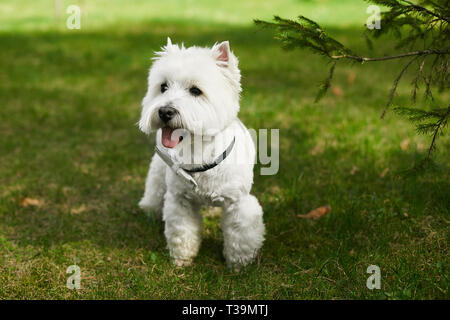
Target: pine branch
[[442, 122], [415, 82], [326, 84], [424, 23], [395, 85], [402, 55], [434, 127], [425, 10]]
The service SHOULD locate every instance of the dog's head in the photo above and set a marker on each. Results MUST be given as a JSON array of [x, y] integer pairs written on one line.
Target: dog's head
[[194, 89]]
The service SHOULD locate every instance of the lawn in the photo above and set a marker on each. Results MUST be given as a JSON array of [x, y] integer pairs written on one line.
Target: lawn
[[73, 162]]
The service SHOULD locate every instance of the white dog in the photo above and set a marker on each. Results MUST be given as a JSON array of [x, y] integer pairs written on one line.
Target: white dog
[[193, 102]]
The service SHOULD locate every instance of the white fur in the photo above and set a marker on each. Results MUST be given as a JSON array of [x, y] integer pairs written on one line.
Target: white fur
[[211, 117]]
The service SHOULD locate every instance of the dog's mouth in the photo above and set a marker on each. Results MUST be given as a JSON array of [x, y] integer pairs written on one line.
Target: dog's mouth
[[171, 137]]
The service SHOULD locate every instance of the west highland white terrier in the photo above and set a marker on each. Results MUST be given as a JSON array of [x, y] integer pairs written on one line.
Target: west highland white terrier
[[204, 154]]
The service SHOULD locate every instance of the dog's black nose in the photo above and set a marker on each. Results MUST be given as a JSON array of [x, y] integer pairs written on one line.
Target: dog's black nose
[[166, 113]]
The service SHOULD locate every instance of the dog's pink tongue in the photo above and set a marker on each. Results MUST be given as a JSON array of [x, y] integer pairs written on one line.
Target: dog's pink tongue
[[169, 140]]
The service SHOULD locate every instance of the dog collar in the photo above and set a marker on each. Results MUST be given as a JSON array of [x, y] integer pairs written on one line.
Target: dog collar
[[184, 173], [213, 164]]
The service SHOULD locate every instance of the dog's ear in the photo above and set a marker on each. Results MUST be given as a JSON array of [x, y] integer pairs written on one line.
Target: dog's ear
[[222, 53], [169, 42], [228, 61]]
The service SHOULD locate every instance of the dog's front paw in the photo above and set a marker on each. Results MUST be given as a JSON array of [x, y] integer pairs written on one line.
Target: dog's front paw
[[237, 266], [182, 262], [237, 261]]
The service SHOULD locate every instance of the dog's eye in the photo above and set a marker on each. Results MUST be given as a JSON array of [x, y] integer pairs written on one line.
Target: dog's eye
[[164, 87], [195, 91]]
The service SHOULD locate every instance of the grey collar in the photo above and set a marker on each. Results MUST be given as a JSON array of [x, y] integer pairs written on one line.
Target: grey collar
[[184, 173]]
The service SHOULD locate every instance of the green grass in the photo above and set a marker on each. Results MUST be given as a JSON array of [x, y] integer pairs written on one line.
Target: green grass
[[69, 103]]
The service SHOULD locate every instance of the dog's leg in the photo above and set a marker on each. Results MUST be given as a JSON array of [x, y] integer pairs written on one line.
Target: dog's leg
[[183, 228], [243, 231], [155, 188]]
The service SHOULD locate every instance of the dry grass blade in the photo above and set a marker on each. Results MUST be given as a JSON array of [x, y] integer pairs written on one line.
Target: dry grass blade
[[27, 202]]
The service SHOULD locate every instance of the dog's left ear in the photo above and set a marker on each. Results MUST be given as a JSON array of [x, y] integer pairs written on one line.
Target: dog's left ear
[[226, 60], [222, 53]]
